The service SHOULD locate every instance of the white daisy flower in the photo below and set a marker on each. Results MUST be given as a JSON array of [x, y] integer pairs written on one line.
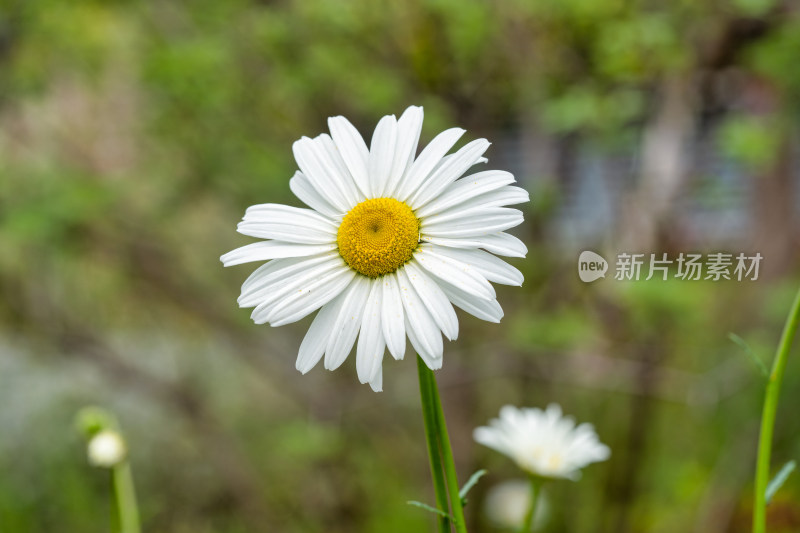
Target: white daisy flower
[[543, 443], [390, 243], [106, 449]]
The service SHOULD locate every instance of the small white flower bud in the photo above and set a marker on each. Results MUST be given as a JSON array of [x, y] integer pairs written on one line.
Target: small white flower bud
[[106, 449]]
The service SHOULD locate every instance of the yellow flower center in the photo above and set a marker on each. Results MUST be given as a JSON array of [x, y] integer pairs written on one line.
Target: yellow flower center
[[378, 236], [554, 461]]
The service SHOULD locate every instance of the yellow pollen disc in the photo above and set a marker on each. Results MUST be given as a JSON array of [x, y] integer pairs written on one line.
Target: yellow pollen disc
[[378, 236]]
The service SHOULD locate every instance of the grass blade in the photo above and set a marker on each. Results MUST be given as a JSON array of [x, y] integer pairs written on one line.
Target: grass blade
[[779, 479], [749, 351], [471, 482], [429, 508]]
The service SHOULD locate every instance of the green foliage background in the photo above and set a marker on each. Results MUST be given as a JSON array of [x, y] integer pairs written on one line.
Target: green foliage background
[[134, 134]]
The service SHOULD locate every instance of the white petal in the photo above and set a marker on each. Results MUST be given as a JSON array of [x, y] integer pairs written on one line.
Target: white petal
[[500, 197], [503, 244], [454, 272], [433, 362], [480, 222], [272, 289], [279, 277], [377, 382], [334, 160], [427, 160], [490, 438], [265, 270], [279, 268], [488, 310], [472, 207], [381, 154], [392, 317], [289, 224], [347, 323], [435, 300], [301, 186], [480, 160], [353, 150], [497, 243], [466, 188], [409, 127], [420, 327], [448, 172], [309, 297], [369, 352], [279, 212], [263, 251], [313, 345], [465, 213], [313, 163], [489, 266]]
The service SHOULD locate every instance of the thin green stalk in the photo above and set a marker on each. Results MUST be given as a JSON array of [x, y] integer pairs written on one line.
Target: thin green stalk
[[429, 417], [447, 459], [768, 417], [125, 496], [536, 489]]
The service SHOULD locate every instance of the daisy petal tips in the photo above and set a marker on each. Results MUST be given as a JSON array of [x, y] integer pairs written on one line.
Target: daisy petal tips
[[543, 443], [390, 242]]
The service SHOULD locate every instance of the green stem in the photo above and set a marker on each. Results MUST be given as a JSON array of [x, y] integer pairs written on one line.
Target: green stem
[[125, 496], [536, 489], [447, 459], [429, 417], [768, 417]]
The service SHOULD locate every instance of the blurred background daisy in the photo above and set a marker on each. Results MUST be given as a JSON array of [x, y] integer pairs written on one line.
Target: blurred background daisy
[[507, 503], [543, 443]]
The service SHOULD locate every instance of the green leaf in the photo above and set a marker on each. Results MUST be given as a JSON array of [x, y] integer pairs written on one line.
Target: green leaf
[[749, 351], [430, 509], [780, 479], [471, 482]]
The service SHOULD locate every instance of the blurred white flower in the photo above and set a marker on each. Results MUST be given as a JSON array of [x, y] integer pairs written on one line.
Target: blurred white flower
[[391, 242], [543, 443], [507, 504], [106, 449]]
